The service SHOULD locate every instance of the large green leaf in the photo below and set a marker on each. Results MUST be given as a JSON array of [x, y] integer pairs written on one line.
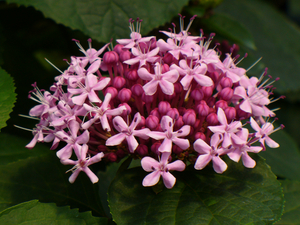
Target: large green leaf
[[7, 97], [239, 196], [44, 178], [106, 19], [291, 215], [34, 212], [275, 36], [285, 160], [12, 148]]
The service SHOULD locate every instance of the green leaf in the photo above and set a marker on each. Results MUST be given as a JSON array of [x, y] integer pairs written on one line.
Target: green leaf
[[12, 148], [231, 29], [44, 178], [34, 212], [106, 19], [291, 190], [7, 97], [275, 36], [285, 160], [239, 196]]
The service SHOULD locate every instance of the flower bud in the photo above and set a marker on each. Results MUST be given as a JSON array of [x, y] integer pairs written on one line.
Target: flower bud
[[119, 82], [230, 113], [176, 149], [152, 122], [178, 88], [124, 95], [200, 135], [110, 58], [221, 104], [155, 146], [125, 55], [226, 94], [137, 90], [127, 111], [163, 107], [207, 91], [118, 48], [142, 150], [178, 123], [113, 91], [211, 101], [155, 112], [112, 157], [120, 153], [147, 98], [202, 109], [173, 113], [226, 82], [212, 119], [197, 94], [132, 75], [189, 118]]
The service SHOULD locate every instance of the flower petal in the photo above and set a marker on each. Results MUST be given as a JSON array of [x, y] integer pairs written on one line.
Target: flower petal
[[151, 179]]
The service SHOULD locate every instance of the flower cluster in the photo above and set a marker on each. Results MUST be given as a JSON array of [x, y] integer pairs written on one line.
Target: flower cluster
[[167, 103]]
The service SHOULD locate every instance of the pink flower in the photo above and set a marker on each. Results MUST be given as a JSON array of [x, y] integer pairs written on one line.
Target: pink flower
[[165, 81], [208, 153], [241, 150], [160, 168], [82, 163], [169, 136], [142, 58], [264, 132], [127, 132]]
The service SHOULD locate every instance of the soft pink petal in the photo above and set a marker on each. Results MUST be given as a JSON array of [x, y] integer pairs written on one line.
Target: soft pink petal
[[144, 74], [166, 87], [157, 135], [186, 81], [183, 131], [169, 180], [246, 106], [151, 179], [91, 175], [80, 99], [202, 161], [166, 145], [149, 164], [151, 87], [202, 147], [120, 124], [182, 143], [203, 80], [132, 143], [271, 143], [74, 175], [219, 165], [235, 155], [177, 165], [116, 139], [171, 76], [248, 161]]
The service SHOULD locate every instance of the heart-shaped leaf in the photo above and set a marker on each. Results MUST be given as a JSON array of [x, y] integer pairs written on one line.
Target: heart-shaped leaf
[[7, 97], [34, 212], [239, 196], [106, 19]]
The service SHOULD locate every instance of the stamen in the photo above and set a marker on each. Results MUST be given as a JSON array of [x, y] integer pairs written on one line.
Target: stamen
[[257, 61], [53, 65], [29, 117], [23, 128]]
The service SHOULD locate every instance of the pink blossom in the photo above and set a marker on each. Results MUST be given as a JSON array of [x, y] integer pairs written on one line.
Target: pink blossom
[[127, 132], [169, 136], [82, 163], [164, 80], [210, 152], [160, 168]]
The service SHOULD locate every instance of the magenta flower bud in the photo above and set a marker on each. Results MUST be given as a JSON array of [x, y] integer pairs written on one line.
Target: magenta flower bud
[[132, 75], [155, 146], [211, 101], [124, 95], [207, 91], [168, 58], [118, 48], [178, 88], [173, 113], [125, 55], [226, 82], [200, 135], [181, 110], [127, 111], [165, 68], [112, 157], [143, 47], [226, 94], [142, 123], [110, 58], [197, 94], [152, 122], [202, 109], [147, 98], [102, 148], [221, 104], [142, 150], [189, 118], [119, 82], [120, 153], [163, 107], [176, 149], [137, 90], [113, 91], [155, 112], [178, 123], [212, 119], [230, 113]]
